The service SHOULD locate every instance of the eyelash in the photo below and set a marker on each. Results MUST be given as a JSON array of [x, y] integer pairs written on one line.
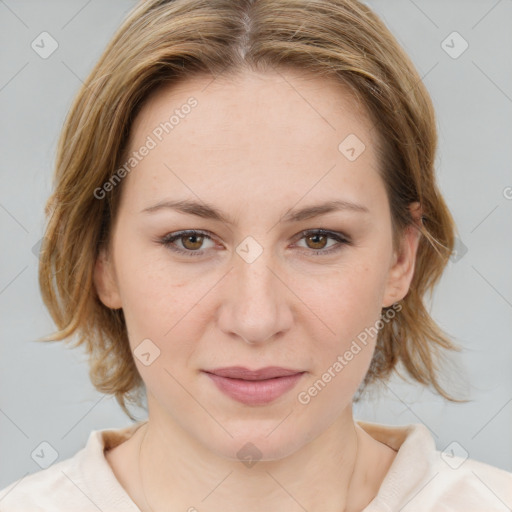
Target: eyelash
[[167, 241]]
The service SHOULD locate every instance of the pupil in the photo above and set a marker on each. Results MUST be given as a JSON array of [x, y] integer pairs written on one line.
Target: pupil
[[191, 238], [316, 237]]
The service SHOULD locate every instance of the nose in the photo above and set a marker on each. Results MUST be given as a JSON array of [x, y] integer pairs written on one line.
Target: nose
[[256, 302]]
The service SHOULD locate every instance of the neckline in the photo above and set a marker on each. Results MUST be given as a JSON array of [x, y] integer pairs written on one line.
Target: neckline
[[390, 489]]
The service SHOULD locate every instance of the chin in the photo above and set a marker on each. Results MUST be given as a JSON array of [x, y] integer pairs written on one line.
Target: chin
[[254, 441]]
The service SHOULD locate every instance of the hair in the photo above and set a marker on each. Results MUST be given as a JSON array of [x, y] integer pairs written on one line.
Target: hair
[[166, 41]]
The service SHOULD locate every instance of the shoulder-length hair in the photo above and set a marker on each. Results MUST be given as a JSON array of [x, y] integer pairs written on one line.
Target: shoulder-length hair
[[170, 40]]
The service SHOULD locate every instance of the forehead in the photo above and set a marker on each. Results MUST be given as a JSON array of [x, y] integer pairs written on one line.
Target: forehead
[[279, 131], [265, 102]]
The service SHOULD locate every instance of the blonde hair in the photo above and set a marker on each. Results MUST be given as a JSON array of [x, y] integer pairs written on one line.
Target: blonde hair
[[169, 41]]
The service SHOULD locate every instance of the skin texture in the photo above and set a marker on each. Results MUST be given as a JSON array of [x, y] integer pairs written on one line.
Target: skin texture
[[256, 146]]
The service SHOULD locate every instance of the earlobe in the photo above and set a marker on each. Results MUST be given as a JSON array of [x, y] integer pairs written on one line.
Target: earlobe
[[402, 270], [105, 281]]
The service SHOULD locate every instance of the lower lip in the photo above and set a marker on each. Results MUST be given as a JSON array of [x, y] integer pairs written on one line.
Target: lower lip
[[255, 392]]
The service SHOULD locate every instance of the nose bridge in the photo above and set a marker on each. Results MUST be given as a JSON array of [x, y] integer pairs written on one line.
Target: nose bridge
[[256, 285], [252, 267], [255, 277], [256, 307]]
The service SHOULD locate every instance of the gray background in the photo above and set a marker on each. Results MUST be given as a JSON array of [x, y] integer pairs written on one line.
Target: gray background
[[45, 393]]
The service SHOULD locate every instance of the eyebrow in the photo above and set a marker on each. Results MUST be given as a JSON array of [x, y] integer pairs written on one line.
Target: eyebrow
[[207, 211]]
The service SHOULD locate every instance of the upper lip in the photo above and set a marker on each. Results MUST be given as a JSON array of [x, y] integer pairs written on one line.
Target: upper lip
[[239, 372]]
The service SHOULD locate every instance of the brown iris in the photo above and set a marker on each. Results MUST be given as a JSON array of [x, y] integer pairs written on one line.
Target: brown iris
[[316, 236], [194, 240]]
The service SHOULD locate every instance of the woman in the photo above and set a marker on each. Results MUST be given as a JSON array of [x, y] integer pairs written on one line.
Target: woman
[[244, 224]]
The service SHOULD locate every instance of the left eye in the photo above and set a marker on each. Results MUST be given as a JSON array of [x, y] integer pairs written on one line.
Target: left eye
[[192, 241], [323, 236]]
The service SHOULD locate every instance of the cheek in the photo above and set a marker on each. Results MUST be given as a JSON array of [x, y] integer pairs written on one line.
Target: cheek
[[346, 305], [340, 354], [156, 306], [148, 287], [344, 300]]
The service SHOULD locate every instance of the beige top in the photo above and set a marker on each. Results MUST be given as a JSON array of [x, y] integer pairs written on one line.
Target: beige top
[[420, 478]]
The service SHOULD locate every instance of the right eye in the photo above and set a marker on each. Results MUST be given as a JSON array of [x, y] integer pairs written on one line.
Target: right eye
[[191, 238]]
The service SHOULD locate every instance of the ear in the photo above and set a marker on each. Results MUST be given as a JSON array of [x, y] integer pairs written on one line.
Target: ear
[[401, 271], [105, 281]]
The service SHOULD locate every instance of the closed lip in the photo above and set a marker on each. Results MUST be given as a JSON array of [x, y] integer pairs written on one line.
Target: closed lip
[[239, 372]]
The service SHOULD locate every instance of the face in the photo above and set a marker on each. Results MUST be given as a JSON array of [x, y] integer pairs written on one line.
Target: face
[[256, 287]]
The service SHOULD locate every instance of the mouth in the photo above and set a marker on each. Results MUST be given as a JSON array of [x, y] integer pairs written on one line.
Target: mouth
[[254, 387]]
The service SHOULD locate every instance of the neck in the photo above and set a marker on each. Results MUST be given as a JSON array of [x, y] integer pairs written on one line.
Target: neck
[[325, 474]]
